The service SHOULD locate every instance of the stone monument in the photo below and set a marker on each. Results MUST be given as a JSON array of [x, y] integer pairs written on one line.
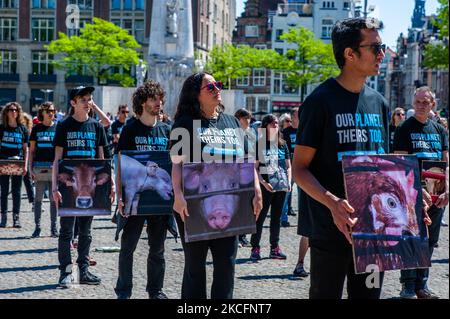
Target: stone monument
[[171, 50]]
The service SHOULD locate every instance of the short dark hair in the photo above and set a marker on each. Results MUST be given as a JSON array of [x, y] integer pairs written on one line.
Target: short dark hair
[[121, 107], [150, 89], [347, 34], [242, 113], [44, 107]]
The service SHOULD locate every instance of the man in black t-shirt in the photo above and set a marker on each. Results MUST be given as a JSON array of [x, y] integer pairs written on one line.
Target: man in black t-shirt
[[143, 134], [118, 124], [342, 116], [77, 137], [429, 141]]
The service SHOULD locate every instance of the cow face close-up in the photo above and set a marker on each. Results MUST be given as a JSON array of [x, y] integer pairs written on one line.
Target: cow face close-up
[[83, 181]]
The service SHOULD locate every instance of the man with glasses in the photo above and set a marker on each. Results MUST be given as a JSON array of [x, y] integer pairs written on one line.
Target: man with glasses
[[42, 150], [334, 121], [117, 126], [429, 141]]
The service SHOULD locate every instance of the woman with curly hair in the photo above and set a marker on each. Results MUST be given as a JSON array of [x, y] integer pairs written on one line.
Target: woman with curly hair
[[14, 145]]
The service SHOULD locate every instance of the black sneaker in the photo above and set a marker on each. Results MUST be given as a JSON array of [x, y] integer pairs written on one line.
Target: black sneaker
[[291, 212], [16, 224], [243, 241], [122, 295], [86, 278], [54, 233], [276, 253], [299, 271], [65, 280], [3, 222], [36, 233], [157, 295], [285, 224]]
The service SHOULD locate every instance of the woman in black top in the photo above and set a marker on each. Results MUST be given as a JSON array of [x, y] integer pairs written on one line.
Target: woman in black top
[[200, 103], [397, 117], [14, 145], [274, 168]]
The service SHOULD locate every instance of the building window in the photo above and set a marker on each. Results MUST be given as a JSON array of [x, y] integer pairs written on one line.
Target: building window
[[127, 5], [41, 62], [115, 4], [207, 36], [139, 30], [140, 5], [43, 4], [263, 104], [281, 86], [8, 4], [8, 62], [214, 39], [346, 5], [42, 29], [251, 31], [278, 34], [250, 103], [279, 51], [242, 81], [71, 32], [259, 77], [82, 4], [201, 34], [260, 46], [8, 29], [327, 27]]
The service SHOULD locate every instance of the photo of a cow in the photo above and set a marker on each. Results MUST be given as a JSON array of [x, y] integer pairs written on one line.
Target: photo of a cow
[[145, 178], [85, 186], [11, 167], [219, 200]]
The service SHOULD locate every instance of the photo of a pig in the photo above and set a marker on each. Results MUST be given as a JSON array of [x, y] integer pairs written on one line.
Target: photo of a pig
[[219, 197], [85, 186], [146, 182]]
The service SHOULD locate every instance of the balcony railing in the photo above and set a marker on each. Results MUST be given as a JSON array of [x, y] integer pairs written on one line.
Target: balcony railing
[[42, 78], [9, 77]]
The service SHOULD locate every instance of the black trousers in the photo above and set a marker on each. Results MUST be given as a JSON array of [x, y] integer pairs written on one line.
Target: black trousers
[[416, 279], [29, 187], [16, 185], [84, 242], [156, 265], [223, 252], [331, 263], [276, 201]]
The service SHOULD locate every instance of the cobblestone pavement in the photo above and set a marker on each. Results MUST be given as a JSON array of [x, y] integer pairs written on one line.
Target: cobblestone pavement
[[28, 267]]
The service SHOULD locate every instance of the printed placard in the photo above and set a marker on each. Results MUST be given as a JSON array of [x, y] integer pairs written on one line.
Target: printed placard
[[85, 186], [43, 171], [12, 167], [385, 191], [145, 178], [433, 178], [219, 200]]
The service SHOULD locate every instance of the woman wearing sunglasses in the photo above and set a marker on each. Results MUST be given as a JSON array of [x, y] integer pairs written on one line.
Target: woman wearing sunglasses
[[200, 102], [14, 145], [42, 150], [397, 117]]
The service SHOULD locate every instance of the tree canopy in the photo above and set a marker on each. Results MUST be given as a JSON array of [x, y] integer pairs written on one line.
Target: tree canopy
[[436, 53]]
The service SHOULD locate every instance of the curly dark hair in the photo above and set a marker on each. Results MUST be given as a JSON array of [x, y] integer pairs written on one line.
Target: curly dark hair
[[43, 108], [188, 103], [347, 34], [150, 89]]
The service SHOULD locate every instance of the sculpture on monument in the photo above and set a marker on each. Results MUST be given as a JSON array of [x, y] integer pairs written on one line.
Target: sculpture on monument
[[141, 70], [171, 19]]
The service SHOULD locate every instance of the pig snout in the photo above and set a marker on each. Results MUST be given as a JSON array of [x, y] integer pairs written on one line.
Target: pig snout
[[84, 202], [219, 210]]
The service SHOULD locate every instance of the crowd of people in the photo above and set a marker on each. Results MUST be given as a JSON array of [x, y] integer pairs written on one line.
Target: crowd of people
[[306, 145]]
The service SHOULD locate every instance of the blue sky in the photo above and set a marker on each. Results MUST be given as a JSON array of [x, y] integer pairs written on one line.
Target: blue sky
[[395, 14]]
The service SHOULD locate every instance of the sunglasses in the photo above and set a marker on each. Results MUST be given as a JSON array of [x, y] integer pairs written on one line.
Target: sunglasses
[[376, 47], [125, 112], [12, 110], [289, 121], [211, 86], [400, 114], [51, 111]]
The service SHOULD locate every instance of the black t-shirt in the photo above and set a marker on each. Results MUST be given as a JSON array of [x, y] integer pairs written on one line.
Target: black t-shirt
[[136, 136], [391, 137], [426, 140], [43, 136], [79, 139], [272, 161], [337, 122], [290, 136], [117, 127], [12, 140], [210, 139]]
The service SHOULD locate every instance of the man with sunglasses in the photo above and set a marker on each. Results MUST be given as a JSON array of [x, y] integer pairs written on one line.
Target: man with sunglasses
[[117, 126], [343, 116], [42, 150]]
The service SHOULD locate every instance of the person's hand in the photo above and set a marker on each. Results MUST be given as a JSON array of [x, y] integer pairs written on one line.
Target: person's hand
[[180, 206], [121, 206], [268, 187], [24, 171], [426, 218], [257, 202], [32, 174], [340, 211], [57, 197], [428, 202], [442, 200], [112, 195]]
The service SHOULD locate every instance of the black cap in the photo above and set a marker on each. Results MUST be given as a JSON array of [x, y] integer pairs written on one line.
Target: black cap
[[80, 91]]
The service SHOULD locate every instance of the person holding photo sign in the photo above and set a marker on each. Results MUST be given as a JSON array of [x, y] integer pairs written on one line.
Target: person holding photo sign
[[14, 145], [77, 137], [202, 132], [144, 134], [42, 150], [342, 116]]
